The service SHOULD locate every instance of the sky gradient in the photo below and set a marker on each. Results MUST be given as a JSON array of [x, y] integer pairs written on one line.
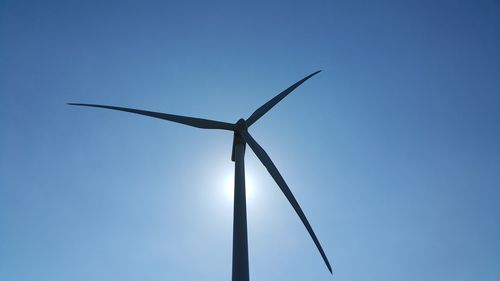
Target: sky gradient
[[393, 151]]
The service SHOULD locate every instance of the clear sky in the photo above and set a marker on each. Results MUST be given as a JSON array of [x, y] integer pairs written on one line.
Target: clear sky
[[393, 151]]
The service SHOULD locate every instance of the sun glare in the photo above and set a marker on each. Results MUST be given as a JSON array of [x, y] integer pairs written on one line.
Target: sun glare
[[229, 186]]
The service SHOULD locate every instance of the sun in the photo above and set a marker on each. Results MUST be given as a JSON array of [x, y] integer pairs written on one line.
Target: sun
[[249, 186]]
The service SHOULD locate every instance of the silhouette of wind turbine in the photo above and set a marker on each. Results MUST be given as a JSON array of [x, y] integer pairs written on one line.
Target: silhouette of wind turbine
[[241, 137]]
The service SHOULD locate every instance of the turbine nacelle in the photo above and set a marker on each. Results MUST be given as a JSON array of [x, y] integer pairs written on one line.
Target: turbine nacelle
[[239, 127]]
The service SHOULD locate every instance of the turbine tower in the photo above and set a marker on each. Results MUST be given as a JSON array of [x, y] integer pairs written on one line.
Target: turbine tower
[[241, 138]]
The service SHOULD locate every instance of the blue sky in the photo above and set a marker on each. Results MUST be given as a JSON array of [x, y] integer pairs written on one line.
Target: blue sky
[[393, 151]]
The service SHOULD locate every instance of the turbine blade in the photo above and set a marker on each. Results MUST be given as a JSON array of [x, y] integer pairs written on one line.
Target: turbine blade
[[190, 121], [271, 168], [268, 105]]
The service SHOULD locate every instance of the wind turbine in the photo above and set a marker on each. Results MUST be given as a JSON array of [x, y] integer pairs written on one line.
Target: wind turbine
[[241, 137]]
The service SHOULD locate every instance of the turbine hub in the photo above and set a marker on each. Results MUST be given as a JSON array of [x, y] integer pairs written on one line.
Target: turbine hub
[[241, 125]]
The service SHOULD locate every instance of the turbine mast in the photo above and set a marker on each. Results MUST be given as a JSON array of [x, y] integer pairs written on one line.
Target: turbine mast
[[240, 239]]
